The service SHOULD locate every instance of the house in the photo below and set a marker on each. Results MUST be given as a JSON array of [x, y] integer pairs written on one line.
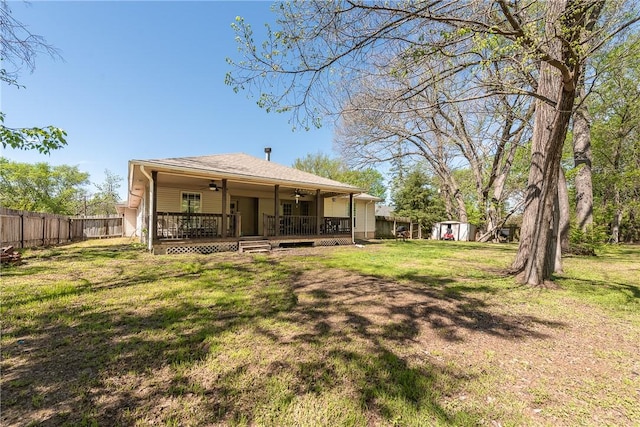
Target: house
[[458, 230], [215, 203]]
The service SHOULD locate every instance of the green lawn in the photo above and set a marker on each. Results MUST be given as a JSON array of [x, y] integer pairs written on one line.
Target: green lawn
[[395, 333]]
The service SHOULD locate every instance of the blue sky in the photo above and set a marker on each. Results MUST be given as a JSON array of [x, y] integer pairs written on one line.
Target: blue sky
[[143, 80]]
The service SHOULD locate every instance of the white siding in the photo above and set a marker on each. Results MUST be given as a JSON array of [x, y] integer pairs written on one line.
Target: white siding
[[142, 215], [129, 223], [365, 218]]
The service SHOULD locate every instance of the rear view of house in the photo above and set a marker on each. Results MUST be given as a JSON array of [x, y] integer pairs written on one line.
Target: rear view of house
[[214, 203]]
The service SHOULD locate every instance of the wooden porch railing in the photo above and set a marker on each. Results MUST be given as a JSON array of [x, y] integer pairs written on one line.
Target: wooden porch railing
[[182, 225], [294, 225]]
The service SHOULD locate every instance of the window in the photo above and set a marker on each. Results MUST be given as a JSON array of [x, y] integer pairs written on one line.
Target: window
[[304, 208], [190, 203], [287, 209]]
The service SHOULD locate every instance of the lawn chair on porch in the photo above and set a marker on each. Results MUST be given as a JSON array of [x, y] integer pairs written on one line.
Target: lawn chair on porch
[[167, 228]]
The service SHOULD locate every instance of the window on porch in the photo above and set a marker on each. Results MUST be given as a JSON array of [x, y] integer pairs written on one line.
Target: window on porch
[[191, 203]]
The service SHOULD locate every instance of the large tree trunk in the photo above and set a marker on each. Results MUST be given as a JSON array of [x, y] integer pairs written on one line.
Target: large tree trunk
[[549, 86], [536, 253], [462, 208], [541, 253], [565, 221], [617, 202], [447, 205], [561, 222], [582, 158], [617, 217]]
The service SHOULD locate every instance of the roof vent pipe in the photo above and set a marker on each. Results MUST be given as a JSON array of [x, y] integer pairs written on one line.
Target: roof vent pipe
[[267, 153]]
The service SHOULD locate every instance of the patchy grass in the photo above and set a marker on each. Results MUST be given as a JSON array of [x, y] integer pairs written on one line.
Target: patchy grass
[[395, 333]]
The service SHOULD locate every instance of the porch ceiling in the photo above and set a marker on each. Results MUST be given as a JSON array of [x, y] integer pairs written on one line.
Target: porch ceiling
[[202, 183]]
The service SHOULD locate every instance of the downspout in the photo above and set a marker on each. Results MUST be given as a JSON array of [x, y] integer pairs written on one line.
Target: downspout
[[151, 208], [351, 217]]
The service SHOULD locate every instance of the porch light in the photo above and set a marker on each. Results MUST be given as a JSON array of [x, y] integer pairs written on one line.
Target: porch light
[[213, 186]]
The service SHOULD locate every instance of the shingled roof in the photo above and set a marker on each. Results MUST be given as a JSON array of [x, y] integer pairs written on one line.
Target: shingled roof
[[242, 166]]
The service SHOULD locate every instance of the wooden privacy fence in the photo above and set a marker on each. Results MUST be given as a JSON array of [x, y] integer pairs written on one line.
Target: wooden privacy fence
[[23, 229], [97, 227]]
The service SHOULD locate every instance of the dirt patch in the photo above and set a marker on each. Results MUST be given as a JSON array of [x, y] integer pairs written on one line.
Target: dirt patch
[[547, 365]]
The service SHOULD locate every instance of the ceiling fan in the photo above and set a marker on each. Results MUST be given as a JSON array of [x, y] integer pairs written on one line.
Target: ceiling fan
[[298, 194], [212, 186]]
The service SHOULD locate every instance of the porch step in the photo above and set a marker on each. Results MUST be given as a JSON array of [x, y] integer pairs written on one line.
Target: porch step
[[254, 246]]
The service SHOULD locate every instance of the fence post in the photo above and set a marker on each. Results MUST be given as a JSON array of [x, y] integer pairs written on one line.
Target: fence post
[[22, 231], [44, 228]]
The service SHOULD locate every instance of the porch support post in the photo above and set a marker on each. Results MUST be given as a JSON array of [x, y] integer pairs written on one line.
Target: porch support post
[[238, 222], [353, 231], [153, 227], [224, 208], [276, 209], [318, 212]]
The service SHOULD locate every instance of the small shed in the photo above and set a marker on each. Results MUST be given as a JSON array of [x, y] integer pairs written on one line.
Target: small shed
[[461, 230]]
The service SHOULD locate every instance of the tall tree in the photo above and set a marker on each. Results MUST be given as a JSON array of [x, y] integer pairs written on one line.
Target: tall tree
[[414, 196], [104, 201], [370, 180], [321, 164], [320, 48], [41, 187], [18, 49], [583, 162], [616, 140]]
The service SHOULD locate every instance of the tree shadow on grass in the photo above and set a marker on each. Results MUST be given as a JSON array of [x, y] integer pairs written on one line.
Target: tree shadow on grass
[[403, 309], [77, 285], [121, 362], [66, 361], [90, 252], [370, 319]]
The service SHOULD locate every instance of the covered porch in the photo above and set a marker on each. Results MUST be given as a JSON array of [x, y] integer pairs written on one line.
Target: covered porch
[[213, 210], [180, 225]]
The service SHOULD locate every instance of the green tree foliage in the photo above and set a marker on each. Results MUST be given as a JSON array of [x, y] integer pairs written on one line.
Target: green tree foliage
[[42, 188], [321, 165], [413, 196], [104, 201], [42, 139], [370, 180], [19, 49], [616, 142]]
